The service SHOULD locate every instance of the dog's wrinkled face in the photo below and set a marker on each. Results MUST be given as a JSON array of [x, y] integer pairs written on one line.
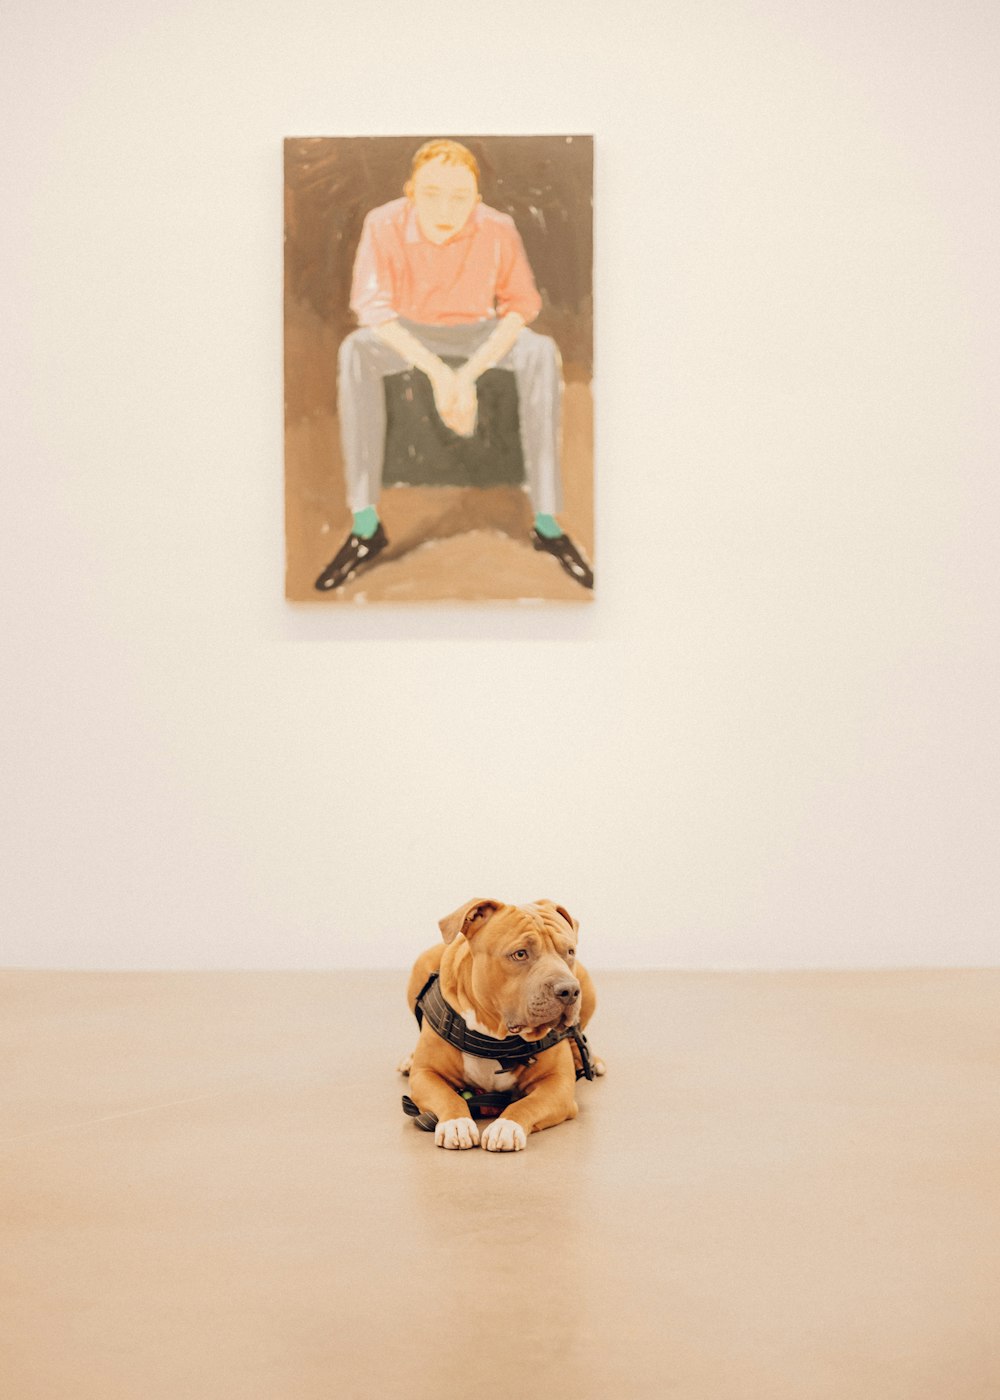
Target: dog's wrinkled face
[[522, 961]]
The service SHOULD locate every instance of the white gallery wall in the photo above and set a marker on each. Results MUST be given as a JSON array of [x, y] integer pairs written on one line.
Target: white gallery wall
[[770, 742]]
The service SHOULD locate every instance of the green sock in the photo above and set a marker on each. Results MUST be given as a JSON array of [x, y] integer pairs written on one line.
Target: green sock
[[366, 522], [548, 526]]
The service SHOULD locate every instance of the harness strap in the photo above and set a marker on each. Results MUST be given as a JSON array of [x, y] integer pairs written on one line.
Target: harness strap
[[479, 1105], [447, 1023], [509, 1053], [586, 1070]]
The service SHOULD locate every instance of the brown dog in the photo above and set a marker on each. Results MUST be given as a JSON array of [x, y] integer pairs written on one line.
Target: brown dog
[[508, 973]]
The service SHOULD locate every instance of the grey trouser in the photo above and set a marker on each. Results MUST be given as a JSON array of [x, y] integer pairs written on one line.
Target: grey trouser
[[365, 360]]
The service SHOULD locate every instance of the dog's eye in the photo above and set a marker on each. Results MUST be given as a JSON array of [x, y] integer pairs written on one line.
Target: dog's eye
[[571, 953], [521, 955]]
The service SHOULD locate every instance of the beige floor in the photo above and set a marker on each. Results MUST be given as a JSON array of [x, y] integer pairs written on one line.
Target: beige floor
[[787, 1188]]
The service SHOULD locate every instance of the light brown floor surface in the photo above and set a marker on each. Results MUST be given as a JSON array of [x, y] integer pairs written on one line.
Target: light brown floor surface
[[786, 1188]]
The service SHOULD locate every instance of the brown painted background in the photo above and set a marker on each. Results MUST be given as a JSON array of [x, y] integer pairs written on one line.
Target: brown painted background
[[479, 538]]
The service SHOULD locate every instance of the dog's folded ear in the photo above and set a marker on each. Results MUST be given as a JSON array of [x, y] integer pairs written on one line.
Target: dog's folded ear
[[564, 913], [468, 918]]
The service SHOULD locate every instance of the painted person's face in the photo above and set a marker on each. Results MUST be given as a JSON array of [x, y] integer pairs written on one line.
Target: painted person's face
[[444, 196]]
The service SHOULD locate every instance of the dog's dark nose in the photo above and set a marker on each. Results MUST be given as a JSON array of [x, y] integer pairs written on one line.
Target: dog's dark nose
[[567, 991]]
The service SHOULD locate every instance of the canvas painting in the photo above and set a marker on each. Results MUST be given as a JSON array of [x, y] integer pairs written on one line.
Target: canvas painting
[[439, 369]]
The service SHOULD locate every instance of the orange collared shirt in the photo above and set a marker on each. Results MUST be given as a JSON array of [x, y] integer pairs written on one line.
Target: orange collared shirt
[[481, 272]]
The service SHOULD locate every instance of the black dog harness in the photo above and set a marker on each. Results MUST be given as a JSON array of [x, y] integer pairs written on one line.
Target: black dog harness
[[510, 1053]]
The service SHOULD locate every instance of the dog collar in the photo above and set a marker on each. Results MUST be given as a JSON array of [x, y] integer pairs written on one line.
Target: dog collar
[[511, 1053]]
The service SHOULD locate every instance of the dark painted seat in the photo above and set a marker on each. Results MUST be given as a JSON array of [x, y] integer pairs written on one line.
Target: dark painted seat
[[421, 451]]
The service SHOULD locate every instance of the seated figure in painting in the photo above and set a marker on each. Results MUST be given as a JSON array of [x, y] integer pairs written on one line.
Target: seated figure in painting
[[439, 275]]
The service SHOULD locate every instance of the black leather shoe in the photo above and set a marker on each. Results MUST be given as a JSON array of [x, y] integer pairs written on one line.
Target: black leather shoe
[[354, 554], [563, 549]]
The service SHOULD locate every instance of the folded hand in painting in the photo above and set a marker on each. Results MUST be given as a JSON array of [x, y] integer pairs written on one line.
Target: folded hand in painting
[[455, 399]]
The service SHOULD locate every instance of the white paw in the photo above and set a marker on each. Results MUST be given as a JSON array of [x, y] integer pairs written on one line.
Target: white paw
[[504, 1135], [598, 1066], [457, 1133], [405, 1064]]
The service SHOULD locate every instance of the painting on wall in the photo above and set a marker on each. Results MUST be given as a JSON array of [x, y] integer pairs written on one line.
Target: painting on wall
[[438, 369]]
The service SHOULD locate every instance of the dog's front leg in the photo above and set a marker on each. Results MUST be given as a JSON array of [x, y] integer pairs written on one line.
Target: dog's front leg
[[550, 1101], [432, 1094]]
